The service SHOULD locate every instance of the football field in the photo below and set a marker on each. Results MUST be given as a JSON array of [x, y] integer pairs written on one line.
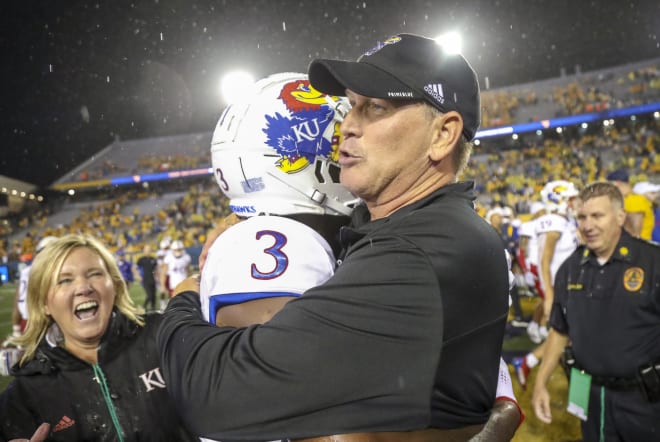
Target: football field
[[564, 428]]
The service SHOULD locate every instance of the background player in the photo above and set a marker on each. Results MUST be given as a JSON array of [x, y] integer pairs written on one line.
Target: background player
[[19, 314], [175, 267], [557, 239], [10, 352], [163, 279]]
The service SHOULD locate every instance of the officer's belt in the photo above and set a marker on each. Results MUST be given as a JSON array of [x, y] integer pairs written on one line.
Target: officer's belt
[[615, 383], [428, 435]]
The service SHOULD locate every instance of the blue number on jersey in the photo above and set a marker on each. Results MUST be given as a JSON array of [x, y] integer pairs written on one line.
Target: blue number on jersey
[[281, 260]]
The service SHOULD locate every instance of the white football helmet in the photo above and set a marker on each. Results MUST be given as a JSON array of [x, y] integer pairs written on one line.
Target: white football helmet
[[165, 243], [556, 196], [177, 248], [276, 152]]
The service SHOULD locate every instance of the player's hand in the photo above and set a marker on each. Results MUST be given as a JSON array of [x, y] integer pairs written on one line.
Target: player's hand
[[541, 404], [39, 436], [223, 225], [190, 284]]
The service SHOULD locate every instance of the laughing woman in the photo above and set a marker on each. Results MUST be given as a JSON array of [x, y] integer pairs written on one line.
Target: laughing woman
[[90, 368]]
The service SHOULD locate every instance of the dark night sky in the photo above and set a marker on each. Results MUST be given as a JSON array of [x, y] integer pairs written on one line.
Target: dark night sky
[[77, 74]]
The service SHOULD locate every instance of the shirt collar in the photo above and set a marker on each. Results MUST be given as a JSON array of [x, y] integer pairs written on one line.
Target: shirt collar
[[463, 189], [360, 220], [622, 252]]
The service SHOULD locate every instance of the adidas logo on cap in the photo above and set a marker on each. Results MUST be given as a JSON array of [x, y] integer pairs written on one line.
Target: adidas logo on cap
[[435, 90]]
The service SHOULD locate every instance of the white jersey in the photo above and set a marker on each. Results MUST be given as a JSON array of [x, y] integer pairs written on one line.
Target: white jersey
[[567, 243], [528, 229], [263, 257], [22, 292], [177, 267]]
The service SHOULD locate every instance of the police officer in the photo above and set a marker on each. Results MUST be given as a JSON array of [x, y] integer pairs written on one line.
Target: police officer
[[607, 305]]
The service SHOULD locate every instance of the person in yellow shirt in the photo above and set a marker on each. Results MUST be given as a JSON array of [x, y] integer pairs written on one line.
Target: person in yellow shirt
[[647, 194], [636, 206]]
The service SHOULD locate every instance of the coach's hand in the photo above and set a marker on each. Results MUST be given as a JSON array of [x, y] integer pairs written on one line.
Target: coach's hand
[[223, 225]]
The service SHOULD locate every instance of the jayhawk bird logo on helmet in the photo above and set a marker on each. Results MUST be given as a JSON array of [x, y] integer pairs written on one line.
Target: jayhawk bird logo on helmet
[[276, 153], [556, 195]]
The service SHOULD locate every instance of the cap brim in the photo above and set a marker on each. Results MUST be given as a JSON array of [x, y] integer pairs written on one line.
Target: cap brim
[[333, 77]]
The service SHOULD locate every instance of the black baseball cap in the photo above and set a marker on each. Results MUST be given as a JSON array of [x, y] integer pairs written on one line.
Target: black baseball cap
[[406, 67]]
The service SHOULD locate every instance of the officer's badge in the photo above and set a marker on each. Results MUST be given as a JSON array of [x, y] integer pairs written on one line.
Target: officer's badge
[[633, 278]]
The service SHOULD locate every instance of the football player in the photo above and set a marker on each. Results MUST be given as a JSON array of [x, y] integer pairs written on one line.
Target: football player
[[176, 265], [557, 238]]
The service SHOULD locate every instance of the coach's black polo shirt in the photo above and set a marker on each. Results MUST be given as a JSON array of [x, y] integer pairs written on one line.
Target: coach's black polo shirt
[[611, 312]]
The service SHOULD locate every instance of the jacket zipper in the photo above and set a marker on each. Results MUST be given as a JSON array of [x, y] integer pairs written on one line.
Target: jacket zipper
[[108, 400]]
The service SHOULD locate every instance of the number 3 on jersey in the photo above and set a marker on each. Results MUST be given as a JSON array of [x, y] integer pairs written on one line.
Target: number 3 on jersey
[[281, 260]]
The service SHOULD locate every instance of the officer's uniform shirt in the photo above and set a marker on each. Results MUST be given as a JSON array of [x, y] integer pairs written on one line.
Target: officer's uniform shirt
[[611, 312]]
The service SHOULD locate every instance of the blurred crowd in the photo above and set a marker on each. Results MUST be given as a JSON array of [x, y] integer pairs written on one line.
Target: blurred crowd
[[585, 93], [506, 175], [126, 232]]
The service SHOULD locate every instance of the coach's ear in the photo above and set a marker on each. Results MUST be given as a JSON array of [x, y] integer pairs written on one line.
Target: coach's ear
[[446, 131]]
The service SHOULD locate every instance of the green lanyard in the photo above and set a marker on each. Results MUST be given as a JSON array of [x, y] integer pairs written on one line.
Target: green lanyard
[[602, 414], [108, 401]]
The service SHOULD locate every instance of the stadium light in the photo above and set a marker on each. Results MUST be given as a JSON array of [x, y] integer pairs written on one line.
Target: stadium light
[[451, 42], [236, 86]]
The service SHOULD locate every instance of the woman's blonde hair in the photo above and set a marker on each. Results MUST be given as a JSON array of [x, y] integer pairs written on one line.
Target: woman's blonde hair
[[44, 273]]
